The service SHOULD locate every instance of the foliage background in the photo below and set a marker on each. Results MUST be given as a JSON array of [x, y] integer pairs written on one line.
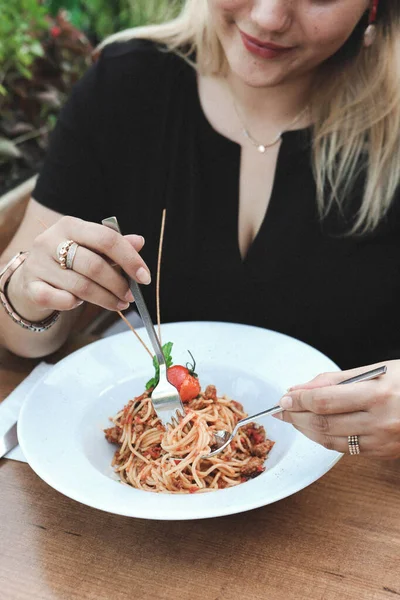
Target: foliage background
[[103, 17], [45, 46]]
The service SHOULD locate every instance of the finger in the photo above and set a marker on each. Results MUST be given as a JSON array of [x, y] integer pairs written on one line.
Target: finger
[[49, 298], [367, 443], [80, 286], [334, 399], [95, 268], [332, 425], [136, 241], [104, 240], [326, 379]]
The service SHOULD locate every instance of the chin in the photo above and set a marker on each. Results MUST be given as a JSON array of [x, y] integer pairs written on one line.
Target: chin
[[260, 81], [250, 73]]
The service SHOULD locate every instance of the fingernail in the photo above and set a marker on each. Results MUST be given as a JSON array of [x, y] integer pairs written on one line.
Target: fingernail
[[122, 305], [129, 297], [79, 303], [143, 240], [286, 402], [143, 276], [278, 416]]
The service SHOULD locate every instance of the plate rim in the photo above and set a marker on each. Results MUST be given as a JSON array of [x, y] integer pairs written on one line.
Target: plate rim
[[224, 509]]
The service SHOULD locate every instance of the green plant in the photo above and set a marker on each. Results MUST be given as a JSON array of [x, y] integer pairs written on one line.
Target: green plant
[[41, 59], [22, 22], [100, 18], [44, 49], [74, 8]]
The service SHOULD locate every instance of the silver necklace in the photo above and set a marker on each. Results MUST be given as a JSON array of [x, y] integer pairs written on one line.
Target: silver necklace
[[263, 147]]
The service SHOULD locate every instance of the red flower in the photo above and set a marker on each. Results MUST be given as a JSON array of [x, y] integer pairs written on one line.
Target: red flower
[[55, 31]]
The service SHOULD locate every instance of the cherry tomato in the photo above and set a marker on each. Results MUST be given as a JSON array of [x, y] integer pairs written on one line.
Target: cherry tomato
[[176, 375], [187, 384], [190, 388]]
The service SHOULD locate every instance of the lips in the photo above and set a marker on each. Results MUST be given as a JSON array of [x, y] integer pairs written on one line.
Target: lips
[[263, 49]]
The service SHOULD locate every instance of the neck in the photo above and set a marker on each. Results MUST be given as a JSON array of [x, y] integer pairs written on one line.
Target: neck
[[279, 104]]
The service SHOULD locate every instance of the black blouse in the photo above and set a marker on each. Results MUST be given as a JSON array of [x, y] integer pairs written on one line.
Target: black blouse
[[133, 139]]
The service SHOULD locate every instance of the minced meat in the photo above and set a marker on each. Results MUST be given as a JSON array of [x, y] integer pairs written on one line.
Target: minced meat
[[113, 434], [253, 468], [262, 450]]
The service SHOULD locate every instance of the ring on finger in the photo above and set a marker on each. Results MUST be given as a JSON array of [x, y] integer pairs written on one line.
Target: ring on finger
[[69, 261], [354, 444], [62, 251], [339, 442]]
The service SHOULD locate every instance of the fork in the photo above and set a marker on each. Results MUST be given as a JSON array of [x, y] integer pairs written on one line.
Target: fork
[[223, 438], [165, 397]]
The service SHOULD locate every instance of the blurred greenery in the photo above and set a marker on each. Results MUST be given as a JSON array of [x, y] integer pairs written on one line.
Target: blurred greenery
[[99, 18], [19, 37], [45, 47]]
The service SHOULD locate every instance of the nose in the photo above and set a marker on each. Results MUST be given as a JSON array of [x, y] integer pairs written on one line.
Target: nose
[[272, 15]]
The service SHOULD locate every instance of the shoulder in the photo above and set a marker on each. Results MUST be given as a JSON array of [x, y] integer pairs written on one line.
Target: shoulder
[[133, 77], [126, 52], [134, 74], [138, 61]]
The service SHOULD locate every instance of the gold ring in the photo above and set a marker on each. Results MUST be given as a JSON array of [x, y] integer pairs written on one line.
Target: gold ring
[[62, 251], [354, 444], [69, 261]]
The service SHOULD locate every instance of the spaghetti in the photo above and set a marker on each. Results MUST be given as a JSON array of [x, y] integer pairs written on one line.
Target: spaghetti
[[154, 459]]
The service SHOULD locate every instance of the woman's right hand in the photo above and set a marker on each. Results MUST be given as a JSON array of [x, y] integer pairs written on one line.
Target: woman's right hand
[[40, 286]]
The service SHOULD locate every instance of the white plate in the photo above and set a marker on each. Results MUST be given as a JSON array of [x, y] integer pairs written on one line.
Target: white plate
[[61, 424]]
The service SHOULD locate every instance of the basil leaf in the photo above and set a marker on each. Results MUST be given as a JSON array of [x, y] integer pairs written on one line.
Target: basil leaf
[[167, 351]]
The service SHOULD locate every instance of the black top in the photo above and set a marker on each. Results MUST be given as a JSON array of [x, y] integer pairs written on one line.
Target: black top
[[133, 139]]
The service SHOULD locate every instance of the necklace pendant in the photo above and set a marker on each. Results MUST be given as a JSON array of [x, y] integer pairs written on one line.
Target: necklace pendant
[[261, 148]]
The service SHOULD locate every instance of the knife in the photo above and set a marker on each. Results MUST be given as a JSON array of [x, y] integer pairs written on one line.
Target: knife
[[9, 440]]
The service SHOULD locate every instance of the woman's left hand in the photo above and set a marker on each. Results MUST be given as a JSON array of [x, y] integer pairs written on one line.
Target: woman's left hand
[[328, 413]]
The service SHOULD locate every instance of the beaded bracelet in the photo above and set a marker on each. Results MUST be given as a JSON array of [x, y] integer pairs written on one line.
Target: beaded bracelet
[[5, 276]]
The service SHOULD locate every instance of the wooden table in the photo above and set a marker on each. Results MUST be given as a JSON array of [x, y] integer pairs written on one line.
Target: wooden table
[[339, 539]]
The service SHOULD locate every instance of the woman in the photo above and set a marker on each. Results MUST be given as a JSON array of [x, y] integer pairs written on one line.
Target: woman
[[269, 130]]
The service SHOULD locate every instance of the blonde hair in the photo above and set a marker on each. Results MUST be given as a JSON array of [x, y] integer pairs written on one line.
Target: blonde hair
[[355, 108]]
